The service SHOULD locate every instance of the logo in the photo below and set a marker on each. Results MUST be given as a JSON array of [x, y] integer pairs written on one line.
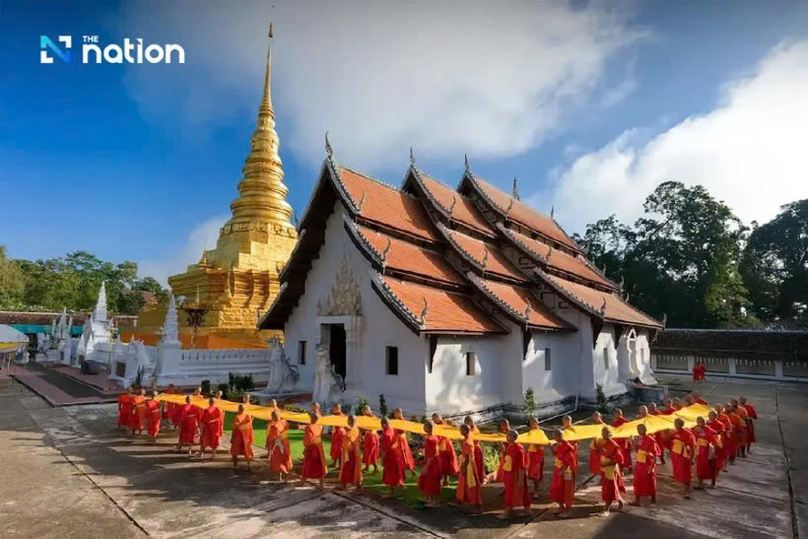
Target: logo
[[131, 51], [45, 43]]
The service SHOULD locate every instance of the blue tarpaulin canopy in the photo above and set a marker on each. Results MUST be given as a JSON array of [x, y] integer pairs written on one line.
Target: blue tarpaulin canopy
[[33, 329]]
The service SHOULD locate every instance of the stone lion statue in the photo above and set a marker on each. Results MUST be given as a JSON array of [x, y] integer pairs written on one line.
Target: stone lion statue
[[283, 376], [327, 382]]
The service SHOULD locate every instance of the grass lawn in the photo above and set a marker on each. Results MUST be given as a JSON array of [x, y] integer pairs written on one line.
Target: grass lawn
[[373, 482]]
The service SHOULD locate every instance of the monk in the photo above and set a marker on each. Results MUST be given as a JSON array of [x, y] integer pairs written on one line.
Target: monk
[[197, 394], [314, 465], [245, 400], [689, 399], [409, 461], [669, 409], [153, 412], [504, 428], [370, 445], [169, 408], [448, 457], [661, 436], [242, 438], [469, 482], [611, 484], [315, 408], [351, 470], [278, 451], [720, 437], [479, 461], [176, 414], [707, 454], [744, 415], [392, 458], [516, 488], [336, 438], [729, 435], [429, 479], [125, 409], [535, 461], [140, 413], [738, 429], [698, 400], [566, 424], [562, 488], [594, 447], [750, 425], [682, 446], [209, 437], [188, 425], [677, 404], [624, 443], [645, 474]]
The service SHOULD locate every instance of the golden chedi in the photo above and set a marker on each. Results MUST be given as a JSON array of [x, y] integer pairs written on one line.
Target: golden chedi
[[238, 279]]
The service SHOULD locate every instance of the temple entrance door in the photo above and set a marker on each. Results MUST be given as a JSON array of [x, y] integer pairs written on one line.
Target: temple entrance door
[[337, 348]]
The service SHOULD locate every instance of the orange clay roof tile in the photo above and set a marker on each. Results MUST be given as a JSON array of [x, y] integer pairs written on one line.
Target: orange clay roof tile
[[496, 261], [463, 209], [518, 298]]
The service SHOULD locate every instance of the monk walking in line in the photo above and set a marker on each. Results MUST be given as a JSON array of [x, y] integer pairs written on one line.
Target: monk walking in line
[[535, 461], [392, 458], [429, 480], [660, 436], [729, 435], [645, 474], [280, 454], [409, 461], [170, 409], [153, 412], [314, 466], [682, 446], [336, 438], [517, 492], [448, 457], [720, 438], [594, 447], [562, 487], [504, 428], [351, 471], [370, 455], [242, 439], [188, 425], [315, 408], [125, 409], [624, 443], [611, 485], [140, 413], [743, 442], [707, 454], [210, 422], [566, 425], [478, 450], [469, 482], [697, 399], [738, 430]]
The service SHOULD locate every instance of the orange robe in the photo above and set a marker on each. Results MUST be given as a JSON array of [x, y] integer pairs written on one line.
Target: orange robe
[[125, 410], [720, 440], [701, 401], [750, 425], [221, 421], [535, 462], [242, 438], [336, 442], [371, 447], [707, 453], [594, 456], [211, 418], [280, 454], [503, 450], [645, 474], [730, 448], [612, 457], [574, 445], [430, 478], [562, 487], [153, 411], [393, 460], [169, 407], [351, 468], [469, 482], [661, 436], [314, 465], [409, 461], [682, 445], [623, 443], [448, 457], [140, 413], [516, 489], [189, 421], [738, 430]]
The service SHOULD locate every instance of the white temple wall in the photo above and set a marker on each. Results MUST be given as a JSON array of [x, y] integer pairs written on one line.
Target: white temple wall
[[604, 360], [561, 380]]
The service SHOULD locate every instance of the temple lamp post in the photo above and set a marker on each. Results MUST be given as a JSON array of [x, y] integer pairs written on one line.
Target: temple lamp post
[[196, 317]]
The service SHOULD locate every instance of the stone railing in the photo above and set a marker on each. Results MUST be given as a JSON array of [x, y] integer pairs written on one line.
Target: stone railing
[[226, 356], [776, 368]]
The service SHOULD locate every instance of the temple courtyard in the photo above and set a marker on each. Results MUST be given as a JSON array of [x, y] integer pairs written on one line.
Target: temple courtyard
[[65, 472]]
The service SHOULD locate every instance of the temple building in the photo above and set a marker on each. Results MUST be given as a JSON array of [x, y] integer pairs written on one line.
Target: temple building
[[232, 284], [450, 300]]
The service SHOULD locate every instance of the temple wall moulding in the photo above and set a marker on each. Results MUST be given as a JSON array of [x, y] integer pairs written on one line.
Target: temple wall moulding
[[345, 299]]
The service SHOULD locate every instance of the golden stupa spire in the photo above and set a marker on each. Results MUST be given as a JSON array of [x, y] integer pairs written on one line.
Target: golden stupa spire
[[262, 194]]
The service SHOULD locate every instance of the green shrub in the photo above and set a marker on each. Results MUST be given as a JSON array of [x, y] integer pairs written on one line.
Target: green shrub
[[361, 402], [382, 406], [490, 457], [601, 400], [530, 402]]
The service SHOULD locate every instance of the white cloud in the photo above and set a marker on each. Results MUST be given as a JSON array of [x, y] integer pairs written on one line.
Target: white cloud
[[445, 77], [203, 236], [750, 151]]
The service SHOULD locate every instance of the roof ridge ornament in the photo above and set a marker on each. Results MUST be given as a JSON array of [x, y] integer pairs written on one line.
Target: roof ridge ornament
[[549, 254], [664, 319], [412, 157], [485, 258], [361, 202], [466, 162], [328, 149], [454, 201], [527, 311], [510, 206], [552, 211], [424, 312], [603, 308], [515, 190], [386, 251]]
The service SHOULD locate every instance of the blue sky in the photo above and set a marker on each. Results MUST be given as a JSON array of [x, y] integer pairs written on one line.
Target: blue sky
[[589, 105]]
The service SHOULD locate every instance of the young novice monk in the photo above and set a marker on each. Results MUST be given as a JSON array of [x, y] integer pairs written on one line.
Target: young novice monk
[[515, 477], [429, 480], [314, 466]]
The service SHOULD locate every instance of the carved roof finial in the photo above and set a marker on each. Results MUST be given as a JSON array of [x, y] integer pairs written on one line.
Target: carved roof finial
[[361, 202], [466, 158], [515, 191], [386, 250], [664, 319], [328, 149], [485, 258], [622, 282], [454, 201], [424, 312], [508, 210], [412, 157], [549, 254], [604, 269], [603, 308], [527, 312], [552, 211], [628, 296]]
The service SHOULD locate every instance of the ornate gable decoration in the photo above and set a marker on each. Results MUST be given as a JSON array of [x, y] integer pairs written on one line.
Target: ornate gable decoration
[[345, 298]]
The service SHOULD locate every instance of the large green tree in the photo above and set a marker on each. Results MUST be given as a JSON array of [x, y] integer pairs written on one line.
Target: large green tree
[[12, 282]]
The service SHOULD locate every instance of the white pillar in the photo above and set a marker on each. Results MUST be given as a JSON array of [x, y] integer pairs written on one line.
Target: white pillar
[[778, 370], [691, 362], [732, 371]]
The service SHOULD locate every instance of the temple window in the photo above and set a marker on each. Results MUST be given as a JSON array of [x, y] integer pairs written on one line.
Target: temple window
[[301, 352], [606, 357], [471, 360], [392, 360], [548, 362]]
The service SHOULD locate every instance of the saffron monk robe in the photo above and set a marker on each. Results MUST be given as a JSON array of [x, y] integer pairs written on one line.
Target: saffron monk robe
[[469, 482], [729, 436], [478, 450], [750, 425], [719, 428], [535, 461], [336, 438], [682, 446], [351, 470], [661, 436], [516, 489], [188, 425], [370, 456], [409, 461], [504, 428], [611, 484], [153, 412], [448, 457], [706, 455], [566, 424], [562, 487], [210, 420], [645, 473], [314, 466], [279, 452], [430, 477], [744, 415], [169, 408], [140, 413], [125, 409], [594, 447], [242, 438], [392, 458], [738, 430]]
